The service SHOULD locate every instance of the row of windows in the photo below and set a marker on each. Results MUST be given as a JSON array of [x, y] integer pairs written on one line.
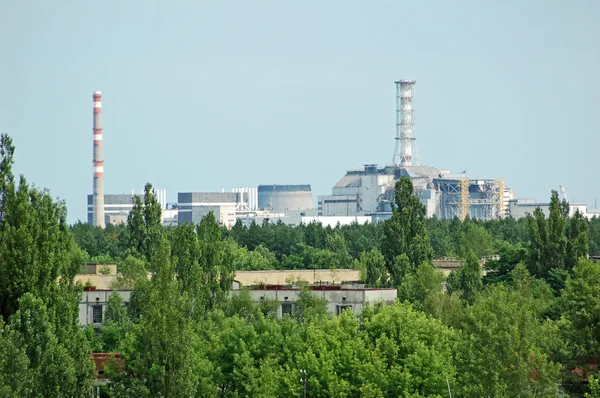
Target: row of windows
[[286, 308]]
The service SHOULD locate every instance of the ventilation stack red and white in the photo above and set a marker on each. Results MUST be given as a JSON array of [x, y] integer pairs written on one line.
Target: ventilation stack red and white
[[98, 205]]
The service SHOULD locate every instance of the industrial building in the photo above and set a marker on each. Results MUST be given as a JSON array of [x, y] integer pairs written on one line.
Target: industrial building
[[294, 220], [193, 206], [248, 197], [522, 207], [281, 198], [369, 191], [116, 207]]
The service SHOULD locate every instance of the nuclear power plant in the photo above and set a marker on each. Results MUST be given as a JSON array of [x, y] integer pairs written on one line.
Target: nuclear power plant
[[365, 194], [370, 189]]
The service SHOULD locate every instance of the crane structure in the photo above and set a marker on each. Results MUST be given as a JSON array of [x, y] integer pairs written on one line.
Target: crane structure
[[564, 193]]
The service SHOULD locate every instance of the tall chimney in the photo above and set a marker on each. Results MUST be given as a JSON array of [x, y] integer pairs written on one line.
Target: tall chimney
[[98, 214], [405, 152]]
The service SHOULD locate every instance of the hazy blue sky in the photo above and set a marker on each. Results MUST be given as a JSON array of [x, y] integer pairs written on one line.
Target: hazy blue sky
[[204, 95]]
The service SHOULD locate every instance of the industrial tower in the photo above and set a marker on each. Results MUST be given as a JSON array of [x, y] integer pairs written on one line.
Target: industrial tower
[[405, 152], [98, 188]]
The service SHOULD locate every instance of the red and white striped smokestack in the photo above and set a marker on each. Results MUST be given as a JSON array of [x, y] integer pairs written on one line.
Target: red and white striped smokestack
[[98, 206]]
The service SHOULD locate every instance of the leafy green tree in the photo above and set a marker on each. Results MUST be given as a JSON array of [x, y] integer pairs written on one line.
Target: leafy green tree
[[580, 304], [116, 324], [448, 308], [309, 306], [315, 235], [417, 286], [16, 379], [186, 254], [373, 265], [548, 245], [594, 236], [52, 368], [441, 240], [476, 239], [131, 269], [577, 239], [399, 269], [361, 237], [144, 225], [38, 263], [152, 219], [136, 227], [97, 241], [258, 259], [411, 354], [534, 289], [466, 281], [336, 244], [502, 350], [405, 232], [160, 352], [594, 388], [204, 263], [508, 229], [499, 271]]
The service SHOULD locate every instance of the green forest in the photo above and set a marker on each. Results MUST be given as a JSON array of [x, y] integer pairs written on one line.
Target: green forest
[[526, 324]]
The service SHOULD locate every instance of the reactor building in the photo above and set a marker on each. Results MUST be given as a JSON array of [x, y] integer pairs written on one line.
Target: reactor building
[[370, 189], [281, 198]]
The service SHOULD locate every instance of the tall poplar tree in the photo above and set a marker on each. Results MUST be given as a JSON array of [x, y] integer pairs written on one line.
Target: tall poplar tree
[[144, 225], [38, 296], [548, 242], [405, 232]]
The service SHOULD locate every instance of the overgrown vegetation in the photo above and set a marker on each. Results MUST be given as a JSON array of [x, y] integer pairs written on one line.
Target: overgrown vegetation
[[526, 324]]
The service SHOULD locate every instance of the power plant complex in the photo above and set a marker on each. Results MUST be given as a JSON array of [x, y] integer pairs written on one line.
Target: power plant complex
[[362, 195], [370, 189]]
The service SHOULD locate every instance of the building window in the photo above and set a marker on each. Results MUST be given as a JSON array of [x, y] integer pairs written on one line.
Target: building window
[[286, 308], [341, 308], [96, 314]]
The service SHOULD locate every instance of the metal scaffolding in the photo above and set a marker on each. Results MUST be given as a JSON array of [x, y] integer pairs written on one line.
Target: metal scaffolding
[[480, 199]]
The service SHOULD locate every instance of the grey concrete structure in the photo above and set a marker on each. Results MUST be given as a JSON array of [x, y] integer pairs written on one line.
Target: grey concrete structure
[[370, 191], [518, 208], [193, 206], [285, 197], [341, 288], [93, 304], [115, 207], [339, 298]]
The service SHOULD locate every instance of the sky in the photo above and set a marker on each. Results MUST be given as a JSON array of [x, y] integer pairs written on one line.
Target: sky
[[202, 95]]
